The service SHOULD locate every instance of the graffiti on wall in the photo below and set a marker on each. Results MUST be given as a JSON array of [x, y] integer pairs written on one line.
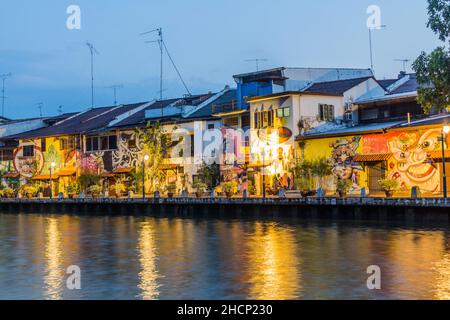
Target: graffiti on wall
[[342, 158], [127, 154], [410, 162], [28, 166]]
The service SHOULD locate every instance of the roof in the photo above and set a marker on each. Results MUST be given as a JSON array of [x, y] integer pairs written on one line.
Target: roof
[[82, 122], [207, 110], [139, 117], [385, 83], [409, 86], [338, 87]]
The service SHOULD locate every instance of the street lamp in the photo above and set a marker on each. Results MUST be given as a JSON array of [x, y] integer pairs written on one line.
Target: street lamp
[[264, 171], [52, 165], [146, 157], [445, 131]]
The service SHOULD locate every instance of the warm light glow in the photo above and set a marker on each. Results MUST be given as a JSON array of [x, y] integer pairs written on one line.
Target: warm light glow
[[53, 164], [148, 275], [446, 129], [54, 272], [146, 157]]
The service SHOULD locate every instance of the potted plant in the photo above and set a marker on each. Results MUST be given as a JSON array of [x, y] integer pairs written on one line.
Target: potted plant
[[230, 188], [389, 186], [95, 190], [200, 188], [343, 186], [8, 193], [72, 190], [119, 189], [171, 188], [29, 191]]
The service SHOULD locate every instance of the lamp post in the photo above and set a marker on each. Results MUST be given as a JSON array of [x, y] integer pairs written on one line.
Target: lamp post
[[445, 131], [52, 165], [146, 157]]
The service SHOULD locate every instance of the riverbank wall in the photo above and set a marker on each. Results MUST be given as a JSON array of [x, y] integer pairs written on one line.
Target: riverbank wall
[[380, 209]]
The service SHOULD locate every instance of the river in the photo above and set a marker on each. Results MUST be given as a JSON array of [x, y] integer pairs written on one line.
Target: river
[[147, 257]]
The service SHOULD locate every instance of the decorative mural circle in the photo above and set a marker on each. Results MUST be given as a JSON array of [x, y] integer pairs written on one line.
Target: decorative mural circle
[[28, 166]]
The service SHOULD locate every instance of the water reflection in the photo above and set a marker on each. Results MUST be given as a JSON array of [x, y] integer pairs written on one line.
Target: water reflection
[[273, 263], [54, 273], [175, 258], [147, 257]]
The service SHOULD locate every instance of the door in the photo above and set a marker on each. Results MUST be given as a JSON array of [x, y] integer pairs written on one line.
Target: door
[[376, 171]]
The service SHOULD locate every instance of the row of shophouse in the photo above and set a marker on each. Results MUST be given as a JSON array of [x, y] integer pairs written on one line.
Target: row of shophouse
[[257, 132]]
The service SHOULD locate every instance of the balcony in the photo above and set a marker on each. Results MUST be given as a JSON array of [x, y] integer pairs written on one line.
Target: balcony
[[225, 107]]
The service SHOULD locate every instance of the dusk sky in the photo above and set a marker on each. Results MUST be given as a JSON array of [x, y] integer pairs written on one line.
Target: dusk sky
[[208, 39]]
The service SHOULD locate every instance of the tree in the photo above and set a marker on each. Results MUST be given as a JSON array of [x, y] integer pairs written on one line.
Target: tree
[[156, 145], [433, 70], [210, 174]]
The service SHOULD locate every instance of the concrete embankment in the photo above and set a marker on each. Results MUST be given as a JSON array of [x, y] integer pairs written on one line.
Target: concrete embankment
[[379, 209]]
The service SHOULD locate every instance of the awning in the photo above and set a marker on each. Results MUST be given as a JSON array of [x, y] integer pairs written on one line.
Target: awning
[[107, 175], [372, 157], [11, 175], [123, 170], [437, 155], [45, 177], [66, 172], [259, 164], [168, 167]]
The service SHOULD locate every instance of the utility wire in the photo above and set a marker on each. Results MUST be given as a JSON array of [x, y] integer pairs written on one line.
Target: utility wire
[[176, 69]]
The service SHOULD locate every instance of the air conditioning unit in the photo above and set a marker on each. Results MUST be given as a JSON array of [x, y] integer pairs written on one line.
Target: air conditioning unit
[[348, 116]]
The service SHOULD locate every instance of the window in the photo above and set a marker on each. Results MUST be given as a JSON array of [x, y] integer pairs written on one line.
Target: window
[[192, 145], [95, 144], [28, 151], [43, 145], [211, 126], [89, 144], [283, 112], [6, 155], [112, 142], [231, 122], [104, 143], [326, 112], [63, 144], [245, 121]]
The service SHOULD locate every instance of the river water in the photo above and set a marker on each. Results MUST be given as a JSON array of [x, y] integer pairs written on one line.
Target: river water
[[144, 257]]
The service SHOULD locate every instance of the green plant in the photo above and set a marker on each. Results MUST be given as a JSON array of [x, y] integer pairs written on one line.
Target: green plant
[[72, 189], [321, 168], [29, 191], [343, 185], [120, 188], [171, 188], [86, 180], [95, 190], [251, 188], [388, 184], [200, 186], [303, 176], [210, 174], [8, 193], [229, 187]]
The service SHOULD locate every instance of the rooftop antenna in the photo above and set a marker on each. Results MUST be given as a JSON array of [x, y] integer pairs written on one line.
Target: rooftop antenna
[[92, 50], [39, 105], [115, 88], [60, 110], [4, 77], [405, 62], [162, 48], [371, 45], [257, 61]]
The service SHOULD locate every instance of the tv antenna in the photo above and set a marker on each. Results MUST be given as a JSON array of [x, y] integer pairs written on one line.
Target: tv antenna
[[115, 88], [60, 110], [404, 61], [93, 51], [4, 77], [162, 48], [39, 105], [256, 61]]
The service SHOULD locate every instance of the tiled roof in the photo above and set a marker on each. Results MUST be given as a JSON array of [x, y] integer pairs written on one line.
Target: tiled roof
[[409, 86], [90, 120], [385, 83], [338, 87], [207, 111]]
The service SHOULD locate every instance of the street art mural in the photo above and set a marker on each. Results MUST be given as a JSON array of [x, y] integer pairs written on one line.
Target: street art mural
[[28, 166], [129, 148], [410, 163], [342, 158]]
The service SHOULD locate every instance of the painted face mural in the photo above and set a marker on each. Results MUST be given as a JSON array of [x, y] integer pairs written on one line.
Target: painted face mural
[[409, 164], [344, 151], [30, 163]]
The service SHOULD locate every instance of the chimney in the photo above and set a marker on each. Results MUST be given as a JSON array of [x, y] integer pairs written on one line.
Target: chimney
[[401, 74]]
